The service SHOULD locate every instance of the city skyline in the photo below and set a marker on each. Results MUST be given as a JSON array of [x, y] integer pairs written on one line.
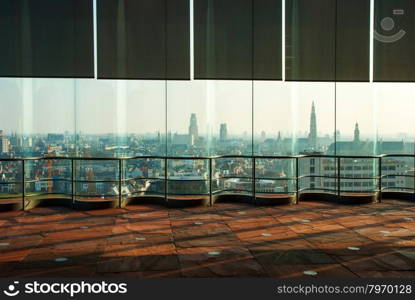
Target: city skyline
[[192, 143], [129, 110]]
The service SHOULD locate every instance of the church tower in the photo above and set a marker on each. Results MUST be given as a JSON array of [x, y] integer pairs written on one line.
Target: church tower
[[356, 133], [312, 136], [193, 129]]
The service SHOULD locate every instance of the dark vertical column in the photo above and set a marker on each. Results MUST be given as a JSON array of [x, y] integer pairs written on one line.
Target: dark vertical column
[[310, 36], [327, 40], [223, 39], [119, 183], [352, 40], [238, 40], [380, 178], [210, 181], [297, 183], [121, 37], [177, 39], [254, 178], [338, 176], [267, 39], [48, 38], [165, 180], [73, 181], [26, 57], [23, 185], [143, 39]]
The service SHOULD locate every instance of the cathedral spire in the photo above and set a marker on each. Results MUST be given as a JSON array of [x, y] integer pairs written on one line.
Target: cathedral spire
[[356, 133]]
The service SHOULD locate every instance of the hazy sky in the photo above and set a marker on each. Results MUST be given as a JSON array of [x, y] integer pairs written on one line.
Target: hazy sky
[[92, 106]]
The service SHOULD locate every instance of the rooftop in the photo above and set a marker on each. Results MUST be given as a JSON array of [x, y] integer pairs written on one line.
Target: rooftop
[[224, 240]]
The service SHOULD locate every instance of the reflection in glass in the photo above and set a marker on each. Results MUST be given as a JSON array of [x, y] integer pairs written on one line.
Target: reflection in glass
[[48, 178], [232, 176]]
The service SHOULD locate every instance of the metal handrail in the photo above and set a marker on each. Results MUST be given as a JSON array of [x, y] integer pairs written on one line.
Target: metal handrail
[[297, 177]]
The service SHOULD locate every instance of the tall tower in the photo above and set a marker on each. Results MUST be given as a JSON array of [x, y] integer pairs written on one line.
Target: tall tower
[[223, 134], [193, 130], [279, 136], [356, 133], [312, 136]]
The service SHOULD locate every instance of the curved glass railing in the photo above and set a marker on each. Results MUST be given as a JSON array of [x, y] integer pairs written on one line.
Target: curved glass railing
[[47, 179], [394, 174], [232, 176], [28, 180], [11, 186], [144, 177], [275, 176]]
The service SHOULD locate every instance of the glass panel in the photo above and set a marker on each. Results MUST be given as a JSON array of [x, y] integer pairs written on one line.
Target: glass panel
[[144, 178], [310, 40], [318, 174], [314, 116], [267, 39], [274, 119], [357, 119], [275, 176], [101, 118], [396, 134], [238, 39], [352, 40], [29, 127], [396, 126], [12, 121], [189, 118], [231, 106], [327, 40], [177, 39], [398, 174], [145, 118], [53, 131], [223, 39]]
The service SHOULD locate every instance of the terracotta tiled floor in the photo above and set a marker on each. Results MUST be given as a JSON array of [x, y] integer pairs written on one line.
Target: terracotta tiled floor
[[226, 240]]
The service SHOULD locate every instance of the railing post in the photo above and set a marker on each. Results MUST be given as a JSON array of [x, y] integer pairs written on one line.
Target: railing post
[[119, 183], [380, 178], [338, 176], [297, 179], [254, 178], [73, 181], [23, 185], [165, 179], [210, 182]]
